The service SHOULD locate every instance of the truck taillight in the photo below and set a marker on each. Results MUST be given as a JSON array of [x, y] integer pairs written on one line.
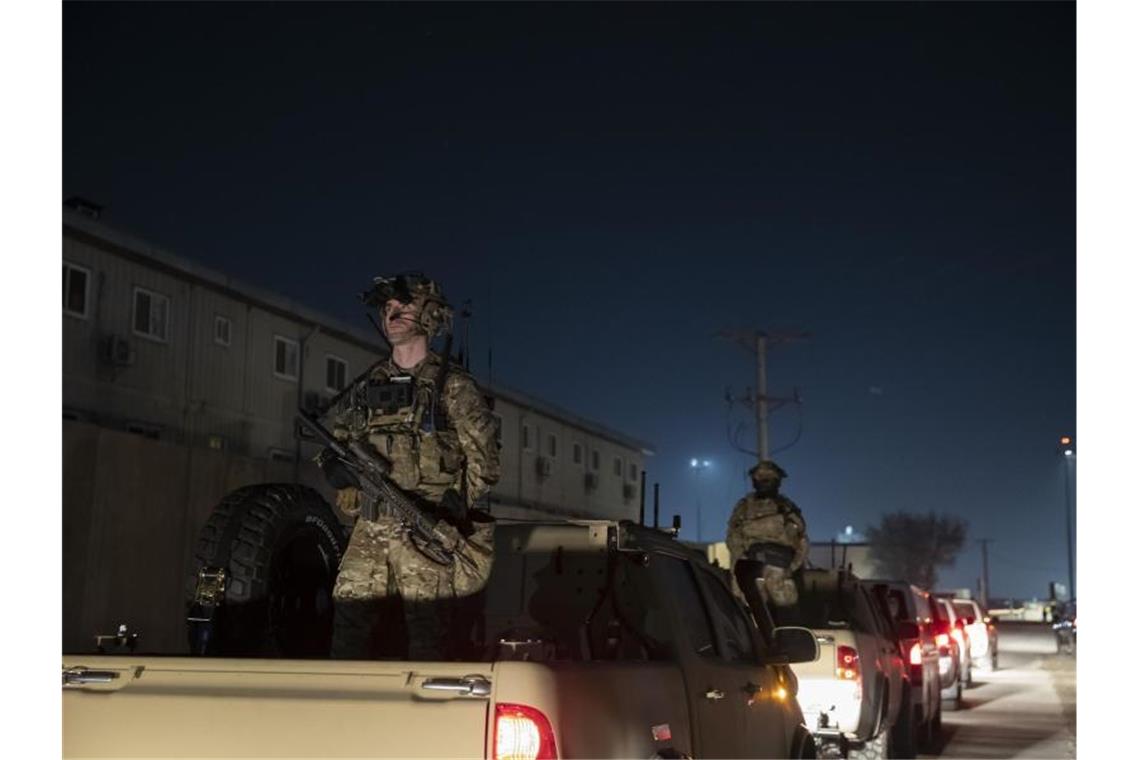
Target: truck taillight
[[942, 640], [916, 653], [846, 663], [522, 733]]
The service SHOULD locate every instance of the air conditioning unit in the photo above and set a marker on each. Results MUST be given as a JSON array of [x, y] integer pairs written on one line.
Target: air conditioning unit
[[543, 466], [628, 491], [117, 351], [591, 481]]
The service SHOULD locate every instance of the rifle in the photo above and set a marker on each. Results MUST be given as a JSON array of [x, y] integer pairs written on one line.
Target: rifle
[[436, 539]]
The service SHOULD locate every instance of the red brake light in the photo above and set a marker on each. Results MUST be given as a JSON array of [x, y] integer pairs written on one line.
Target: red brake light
[[942, 640], [916, 654], [522, 733], [846, 663]]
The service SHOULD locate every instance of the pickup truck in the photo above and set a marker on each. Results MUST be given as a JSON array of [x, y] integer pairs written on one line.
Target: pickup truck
[[591, 639], [852, 694]]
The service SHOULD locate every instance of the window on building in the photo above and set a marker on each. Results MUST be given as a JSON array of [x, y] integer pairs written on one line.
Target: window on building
[[526, 437], [632, 471], [75, 279], [152, 314], [595, 460], [577, 453], [221, 330], [336, 370], [285, 357], [552, 445], [618, 466]]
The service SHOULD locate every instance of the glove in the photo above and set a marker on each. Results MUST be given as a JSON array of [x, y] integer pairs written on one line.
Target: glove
[[337, 475], [452, 507], [348, 501]]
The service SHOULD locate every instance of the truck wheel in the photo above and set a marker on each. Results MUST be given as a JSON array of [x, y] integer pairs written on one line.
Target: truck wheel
[[932, 733], [875, 749], [280, 545], [903, 731], [954, 701], [803, 745]]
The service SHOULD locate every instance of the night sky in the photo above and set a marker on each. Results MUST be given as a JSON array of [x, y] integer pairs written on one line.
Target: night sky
[[613, 184]]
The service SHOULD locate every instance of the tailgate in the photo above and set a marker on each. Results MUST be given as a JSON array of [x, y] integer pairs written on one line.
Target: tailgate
[[204, 707], [827, 701]]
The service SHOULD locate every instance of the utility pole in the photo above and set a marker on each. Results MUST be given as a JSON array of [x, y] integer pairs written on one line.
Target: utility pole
[[1069, 529], [762, 395], [757, 341], [1068, 449], [985, 542]]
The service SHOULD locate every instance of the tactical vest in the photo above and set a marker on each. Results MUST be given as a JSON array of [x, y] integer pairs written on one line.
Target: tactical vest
[[407, 423]]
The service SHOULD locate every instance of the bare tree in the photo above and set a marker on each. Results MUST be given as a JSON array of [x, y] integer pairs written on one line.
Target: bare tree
[[911, 547]]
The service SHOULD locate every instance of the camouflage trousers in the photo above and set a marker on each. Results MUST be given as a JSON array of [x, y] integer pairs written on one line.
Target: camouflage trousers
[[381, 562]]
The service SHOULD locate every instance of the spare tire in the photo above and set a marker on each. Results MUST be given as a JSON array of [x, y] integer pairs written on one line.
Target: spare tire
[[280, 545]]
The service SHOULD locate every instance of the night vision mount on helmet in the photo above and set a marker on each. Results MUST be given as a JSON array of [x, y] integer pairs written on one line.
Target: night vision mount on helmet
[[767, 469], [435, 313]]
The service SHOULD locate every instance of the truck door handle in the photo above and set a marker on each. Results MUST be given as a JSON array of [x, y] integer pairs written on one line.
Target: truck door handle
[[714, 694], [80, 676], [467, 686]]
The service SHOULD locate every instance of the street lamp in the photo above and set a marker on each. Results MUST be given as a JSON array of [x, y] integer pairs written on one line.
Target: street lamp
[[698, 465]]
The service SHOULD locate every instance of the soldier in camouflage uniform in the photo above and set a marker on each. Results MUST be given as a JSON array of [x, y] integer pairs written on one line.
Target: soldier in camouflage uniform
[[439, 437], [767, 516]]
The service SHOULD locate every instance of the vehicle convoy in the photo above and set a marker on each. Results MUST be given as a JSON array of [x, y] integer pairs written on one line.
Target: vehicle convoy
[[852, 694], [591, 639], [953, 653], [920, 717]]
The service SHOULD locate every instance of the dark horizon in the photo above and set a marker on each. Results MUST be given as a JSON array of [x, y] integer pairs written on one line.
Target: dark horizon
[[612, 185]]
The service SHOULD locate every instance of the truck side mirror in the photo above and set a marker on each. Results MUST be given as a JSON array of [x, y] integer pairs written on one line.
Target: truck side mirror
[[795, 644]]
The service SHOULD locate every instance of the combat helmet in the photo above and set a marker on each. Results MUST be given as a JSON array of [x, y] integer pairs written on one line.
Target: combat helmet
[[413, 287], [766, 470]]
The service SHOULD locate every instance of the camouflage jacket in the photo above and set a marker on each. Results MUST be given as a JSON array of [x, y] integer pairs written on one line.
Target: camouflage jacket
[[432, 445], [767, 518]]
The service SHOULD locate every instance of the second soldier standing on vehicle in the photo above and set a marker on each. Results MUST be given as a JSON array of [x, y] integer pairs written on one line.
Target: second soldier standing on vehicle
[[429, 421], [765, 516]]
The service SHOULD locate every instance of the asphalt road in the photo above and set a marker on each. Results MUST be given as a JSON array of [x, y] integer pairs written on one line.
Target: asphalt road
[[1026, 709]]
